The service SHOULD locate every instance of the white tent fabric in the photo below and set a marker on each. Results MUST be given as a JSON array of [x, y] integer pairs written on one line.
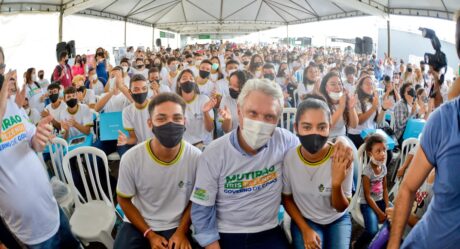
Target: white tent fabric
[[233, 16]]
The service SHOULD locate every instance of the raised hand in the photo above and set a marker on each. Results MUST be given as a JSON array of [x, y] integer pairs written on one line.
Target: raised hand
[[122, 139], [209, 105], [225, 113]]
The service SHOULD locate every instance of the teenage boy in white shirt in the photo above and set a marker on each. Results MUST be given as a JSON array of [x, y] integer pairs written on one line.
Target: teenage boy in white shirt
[[156, 180]]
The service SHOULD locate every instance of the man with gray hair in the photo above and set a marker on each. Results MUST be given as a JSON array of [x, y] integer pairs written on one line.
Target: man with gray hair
[[237, 193]]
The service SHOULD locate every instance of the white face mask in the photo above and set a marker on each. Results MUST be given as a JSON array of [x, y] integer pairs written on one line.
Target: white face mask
[[34, 78], [94, 77], [125, 69], [335, 96], [310, 87], [378, 163], [197, 63], [256, 133]]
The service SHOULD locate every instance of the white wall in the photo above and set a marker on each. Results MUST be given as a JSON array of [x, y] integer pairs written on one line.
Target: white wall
[[173, 43], [29, 40]]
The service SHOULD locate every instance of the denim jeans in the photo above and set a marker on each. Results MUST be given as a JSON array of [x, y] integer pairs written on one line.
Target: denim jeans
[[272, 239], [62, 239], [129, 237], [371, 224], [335, 235]]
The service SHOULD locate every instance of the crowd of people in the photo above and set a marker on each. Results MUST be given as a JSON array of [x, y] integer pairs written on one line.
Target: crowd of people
[[204, 147]]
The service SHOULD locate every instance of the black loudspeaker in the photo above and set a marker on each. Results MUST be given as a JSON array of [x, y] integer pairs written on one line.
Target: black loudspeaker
[[71, 49], [60, 47], [368, 45], [358, 45], [158, 42]]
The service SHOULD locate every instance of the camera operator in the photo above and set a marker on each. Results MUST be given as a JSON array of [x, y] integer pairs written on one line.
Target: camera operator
[[27, 204], [439, 146]]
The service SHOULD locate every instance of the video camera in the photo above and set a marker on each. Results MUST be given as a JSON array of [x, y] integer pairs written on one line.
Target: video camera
[[437, 60]]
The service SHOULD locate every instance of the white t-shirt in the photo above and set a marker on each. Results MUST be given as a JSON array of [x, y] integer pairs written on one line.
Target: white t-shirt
[[44, 83], [162, 89], [349, 87], [302, 90], [195, 129], [27, 203], [311, 186], [34, 116], [339, 128], [83, 116], [90, 97], [246, 190], [376, 181], [368, 124], [161, 191], [98, 88], [170, 81], [33, 94], [222, 87], [56, 113], [232, 106], [207, 88], [116, 103], [144, 72], [136, 120]]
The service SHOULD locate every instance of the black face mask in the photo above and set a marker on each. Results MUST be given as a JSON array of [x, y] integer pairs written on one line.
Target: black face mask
[[72, 103], [66, 61], [190, 62], [101, 54], [257, 64], [188, 86], [54, 97], [245, 63], [204, 74], [147, 66], [2, 78], [139, 97], [169, 134], [139, 66], [411, 93], [409, 70], [269, 76], [83, 60], [233, 93], [40, 76], [313, 142], [157, 64]]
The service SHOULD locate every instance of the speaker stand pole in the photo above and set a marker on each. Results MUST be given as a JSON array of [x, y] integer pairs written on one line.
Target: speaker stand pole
[[153, 37], [126, 22], [388, 37], [61, 17]]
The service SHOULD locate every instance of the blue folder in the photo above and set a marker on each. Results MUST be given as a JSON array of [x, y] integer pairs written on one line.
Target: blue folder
[[390, 141], [109, 125], [413, 128]]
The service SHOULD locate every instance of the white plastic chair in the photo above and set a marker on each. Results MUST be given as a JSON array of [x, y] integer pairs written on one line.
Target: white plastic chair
[[93, 219], [392, 121], [296, 98], [288, 118], [406, 147], [58, 148], [355, 201]]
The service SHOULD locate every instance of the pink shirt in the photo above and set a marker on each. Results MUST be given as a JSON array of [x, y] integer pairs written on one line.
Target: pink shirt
[[78, 70]]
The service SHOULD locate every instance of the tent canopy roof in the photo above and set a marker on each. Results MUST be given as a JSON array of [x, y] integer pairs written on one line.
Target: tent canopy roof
[[233, 16]]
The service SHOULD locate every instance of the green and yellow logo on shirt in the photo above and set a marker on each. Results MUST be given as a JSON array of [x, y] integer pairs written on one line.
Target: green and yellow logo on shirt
[[251, 180], [200, 194]]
